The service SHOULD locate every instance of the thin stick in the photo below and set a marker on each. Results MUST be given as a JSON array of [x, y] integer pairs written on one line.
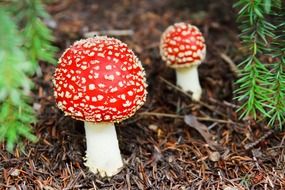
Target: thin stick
[[188, 95], [182, 117], [110, 33], [232, 65], [161, 115], [224, 103], [253, 144]]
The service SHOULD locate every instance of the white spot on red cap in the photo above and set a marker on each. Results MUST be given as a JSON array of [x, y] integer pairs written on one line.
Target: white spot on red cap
[[109, 77], [100, 97], [121, 84], [100, 55], [75, 97], [114, 89], [96, 75], [101, 85], [113, 100], [109, 67], [84, 67], [123, 96], [127, 103], [71, 109], [61, 94], [92, 87], [94, 99], [67, 94]]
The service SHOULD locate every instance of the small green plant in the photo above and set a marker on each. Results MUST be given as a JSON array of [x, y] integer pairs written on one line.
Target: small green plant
[[24, 40], [261, 86]]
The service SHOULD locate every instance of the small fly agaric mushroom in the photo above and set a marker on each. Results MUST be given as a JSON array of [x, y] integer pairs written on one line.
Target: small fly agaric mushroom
[[100, 81], [183, 47]]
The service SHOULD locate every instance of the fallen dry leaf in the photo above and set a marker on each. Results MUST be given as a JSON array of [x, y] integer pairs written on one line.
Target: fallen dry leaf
[[203, 130]]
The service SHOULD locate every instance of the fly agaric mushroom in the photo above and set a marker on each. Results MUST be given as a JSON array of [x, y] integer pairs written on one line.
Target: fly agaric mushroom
[[182, 47], [100, 81]]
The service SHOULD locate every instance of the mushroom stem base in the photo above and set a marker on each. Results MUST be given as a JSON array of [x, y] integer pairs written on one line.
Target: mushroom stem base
[[188, 79], [103, 153]]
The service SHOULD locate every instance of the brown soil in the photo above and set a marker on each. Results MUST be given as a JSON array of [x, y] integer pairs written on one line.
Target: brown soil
[[160, 149]]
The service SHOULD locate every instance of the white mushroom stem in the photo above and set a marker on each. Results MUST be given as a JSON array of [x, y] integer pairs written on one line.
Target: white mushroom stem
[[188, 80], [103, 153]]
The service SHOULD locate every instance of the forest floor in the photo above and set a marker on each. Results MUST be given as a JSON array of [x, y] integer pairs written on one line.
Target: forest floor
[[171, 142]]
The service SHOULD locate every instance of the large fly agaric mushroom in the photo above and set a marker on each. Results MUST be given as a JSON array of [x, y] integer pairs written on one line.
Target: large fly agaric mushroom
[[182, 47], [100, 81]]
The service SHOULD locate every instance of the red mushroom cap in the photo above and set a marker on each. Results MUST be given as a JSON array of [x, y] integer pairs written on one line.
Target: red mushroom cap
[[182, 45], [99, 80]]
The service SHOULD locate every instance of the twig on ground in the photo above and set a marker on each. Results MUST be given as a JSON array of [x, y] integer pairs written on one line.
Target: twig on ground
[[161, 114], [253, 144], [189, 95], [58, 6], [231, 64], [224, 103], [181, 117], [127, 32]]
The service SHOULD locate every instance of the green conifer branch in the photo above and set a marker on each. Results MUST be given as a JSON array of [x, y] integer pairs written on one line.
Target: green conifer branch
[[255, 31], [277, 75], [24, 40], [15, 114], [261, 84], [37, 37]]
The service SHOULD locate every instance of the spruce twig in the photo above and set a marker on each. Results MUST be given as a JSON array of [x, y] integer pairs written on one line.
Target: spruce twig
[[15, 112], [24, 40], [261, 85]]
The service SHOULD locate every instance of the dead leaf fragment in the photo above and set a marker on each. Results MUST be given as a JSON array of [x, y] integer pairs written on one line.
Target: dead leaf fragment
[[203, 130]]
